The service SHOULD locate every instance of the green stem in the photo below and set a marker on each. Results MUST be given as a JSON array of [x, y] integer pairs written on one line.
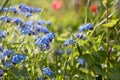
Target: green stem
[[107, 30], [98, 25], [87, 11]]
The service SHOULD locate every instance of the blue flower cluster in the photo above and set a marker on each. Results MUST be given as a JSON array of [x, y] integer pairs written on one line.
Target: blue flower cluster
[[59, 51], [26, 27], [28, 9], [9, 58], [37, 28], [48, 23], [2, 35], [8, 19], [30, 27], [1, 72], [41, 29], [85, 27], [10, 9], [44, 41], [17, 20], [69, 42], [42, 22], [17, 58], [47, 71], [80, 36], [81, 61], [22, 9]]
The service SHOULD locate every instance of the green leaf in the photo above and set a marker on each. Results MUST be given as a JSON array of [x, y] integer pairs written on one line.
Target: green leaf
[[115, 70], [19, 73], [97, 70], [111, 24], [79, 49], [104, 2], [117, 47], [84, 70]]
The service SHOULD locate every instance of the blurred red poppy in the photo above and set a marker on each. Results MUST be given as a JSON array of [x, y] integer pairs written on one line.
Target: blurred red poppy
[[57, 4], [93, 8]]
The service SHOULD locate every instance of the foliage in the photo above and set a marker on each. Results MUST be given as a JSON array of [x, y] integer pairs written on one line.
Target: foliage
[[44, 44]]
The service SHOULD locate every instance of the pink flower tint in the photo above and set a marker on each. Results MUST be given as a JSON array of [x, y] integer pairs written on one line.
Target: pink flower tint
[[93, 8], [57, 4]]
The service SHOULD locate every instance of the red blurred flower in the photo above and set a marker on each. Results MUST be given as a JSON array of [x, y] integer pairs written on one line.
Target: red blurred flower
[[57, 4], [93, 7]]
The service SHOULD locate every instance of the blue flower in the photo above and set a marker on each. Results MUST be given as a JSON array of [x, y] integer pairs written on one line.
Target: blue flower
[[29, 15], [17, 20], [12, 9], [78, 35], [2, 18], [45, 47], [2, 34], [47, 71], [1, 48], [48, 23], [84, 37], [28, 24], [42, 42], [17, 58], [100, 48], [1, 72], [50, 36], [37, 10], [5, 52], [41, 29], [44, 30], [2, 57], [10, 53], [28, 9], [85, 27], [37, 29], [6, 64], [26, 31], [41, 22], [21, 6], [59, 51], [6, 19], [90, 26], [4, 9], [68, 42], [81, 61]]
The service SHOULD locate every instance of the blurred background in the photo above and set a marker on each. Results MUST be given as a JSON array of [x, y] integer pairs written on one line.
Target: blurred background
[[66, 14], [66, 17]]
